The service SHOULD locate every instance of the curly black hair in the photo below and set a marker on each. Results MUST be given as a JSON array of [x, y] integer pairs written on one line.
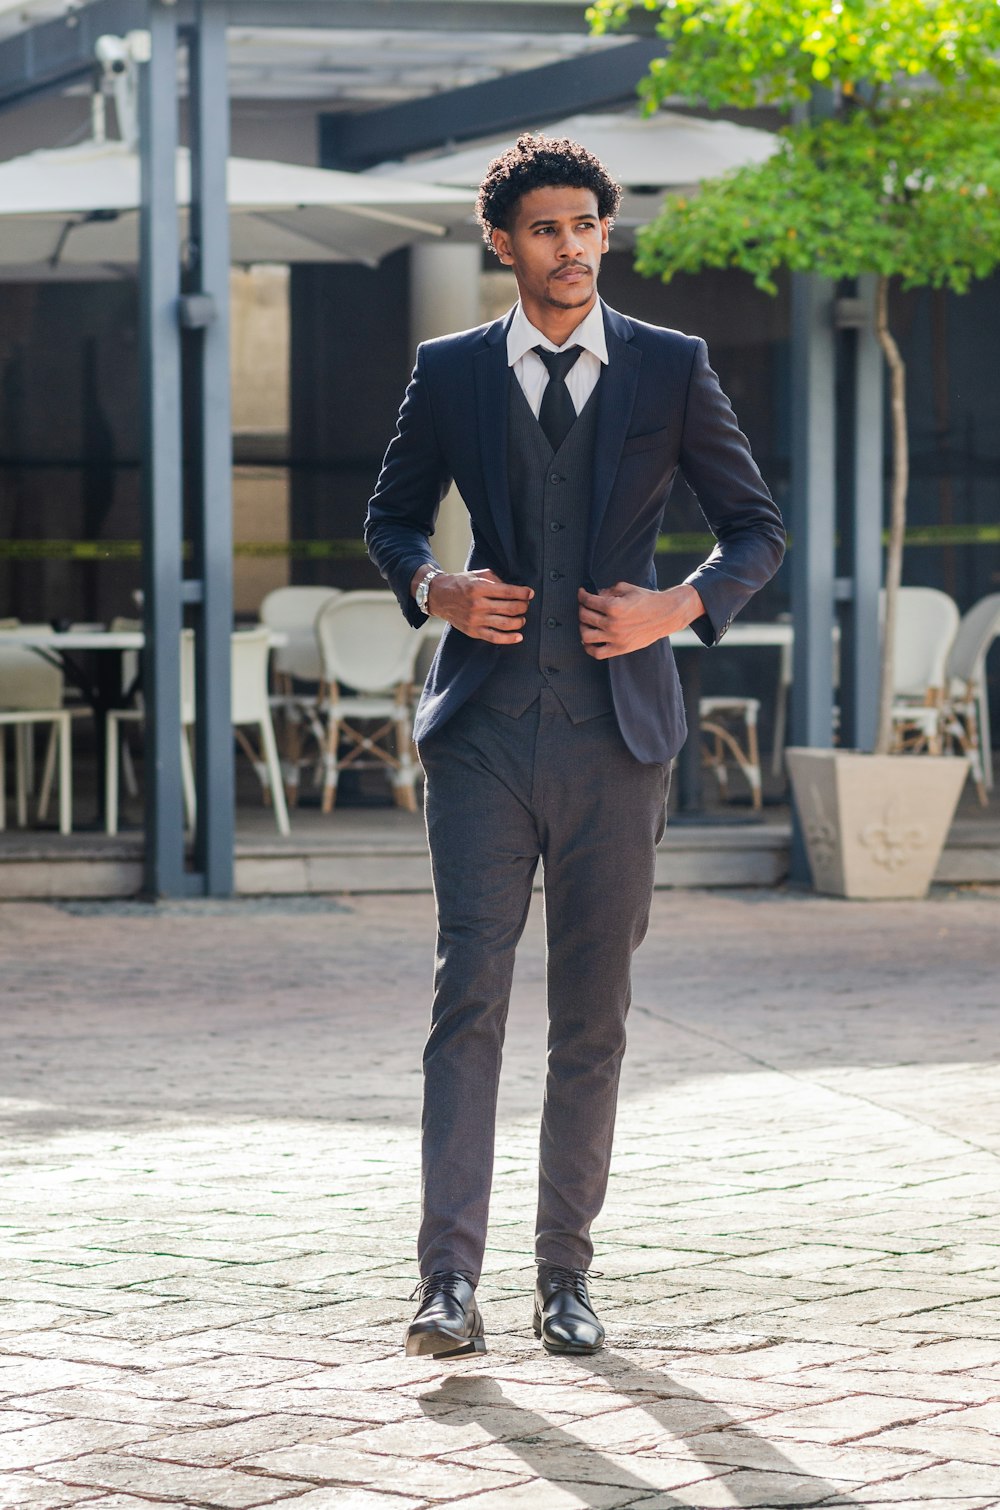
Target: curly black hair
[[541, 162]]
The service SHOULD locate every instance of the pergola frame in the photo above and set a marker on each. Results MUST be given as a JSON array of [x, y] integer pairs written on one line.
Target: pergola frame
[[194, 299]]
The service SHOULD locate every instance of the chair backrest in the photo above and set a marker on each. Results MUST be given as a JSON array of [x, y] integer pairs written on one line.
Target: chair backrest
[[365, 643], [976, 633], [28, 683], [925, 628], [293, 611], [249, 675]]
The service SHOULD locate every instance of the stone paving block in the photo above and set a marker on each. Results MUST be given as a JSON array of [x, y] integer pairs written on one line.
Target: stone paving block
[[337, 1463], [33, 1445], [952, 1483], [334, 1498], [221, 1446], [174, 1482], [121, 1404], [945, 1437], [32, 1493], [14, 1420], [763, 1491]]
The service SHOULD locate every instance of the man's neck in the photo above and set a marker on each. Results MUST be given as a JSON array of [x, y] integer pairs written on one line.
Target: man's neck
[[556, 325]]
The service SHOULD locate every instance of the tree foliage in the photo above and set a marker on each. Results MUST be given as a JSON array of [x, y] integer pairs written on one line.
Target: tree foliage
[[893, 171]]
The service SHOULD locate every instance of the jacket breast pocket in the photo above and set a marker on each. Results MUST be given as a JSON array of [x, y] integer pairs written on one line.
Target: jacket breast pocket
[[653, 440]]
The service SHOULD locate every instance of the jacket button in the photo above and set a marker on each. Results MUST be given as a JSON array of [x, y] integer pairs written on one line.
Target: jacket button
[[552, 671], [552, 623], [555, 576], [554, 526], [555, 477]]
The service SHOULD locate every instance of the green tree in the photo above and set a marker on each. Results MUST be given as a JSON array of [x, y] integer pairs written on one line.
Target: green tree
[[891, 168]]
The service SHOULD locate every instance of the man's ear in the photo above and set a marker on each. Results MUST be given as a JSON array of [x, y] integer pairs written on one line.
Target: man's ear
[[605, 233], [502, 247]]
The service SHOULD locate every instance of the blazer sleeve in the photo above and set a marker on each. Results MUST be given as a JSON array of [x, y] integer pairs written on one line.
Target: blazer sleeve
[[750, 538], [403, 509]]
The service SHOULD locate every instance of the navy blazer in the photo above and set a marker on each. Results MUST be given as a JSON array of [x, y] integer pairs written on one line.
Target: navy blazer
[[659, 407]]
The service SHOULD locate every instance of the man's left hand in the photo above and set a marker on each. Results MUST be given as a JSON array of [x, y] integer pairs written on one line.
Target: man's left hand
[[625, 617]]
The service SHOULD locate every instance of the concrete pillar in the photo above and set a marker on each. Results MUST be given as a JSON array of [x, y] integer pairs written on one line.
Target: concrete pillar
[[444, 297]]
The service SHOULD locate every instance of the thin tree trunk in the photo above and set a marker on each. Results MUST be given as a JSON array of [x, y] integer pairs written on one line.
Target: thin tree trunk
[[897, 516]]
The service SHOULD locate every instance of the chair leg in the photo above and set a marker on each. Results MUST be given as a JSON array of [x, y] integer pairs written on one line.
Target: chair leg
[[128, 769], [21, 773], [187, 783], [65, 775], [110, 774], [405, 776], [330, 765], [752, 768], [269, 745], [48, 774]]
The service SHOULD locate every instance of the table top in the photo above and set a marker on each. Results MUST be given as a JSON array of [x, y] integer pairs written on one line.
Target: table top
[[39, 637], [740, 636]]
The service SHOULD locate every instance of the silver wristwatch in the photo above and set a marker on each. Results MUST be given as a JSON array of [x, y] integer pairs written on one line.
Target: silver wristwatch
[[424, 587]]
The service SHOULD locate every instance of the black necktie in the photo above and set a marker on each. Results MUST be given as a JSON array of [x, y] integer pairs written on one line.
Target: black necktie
[[558, 412]]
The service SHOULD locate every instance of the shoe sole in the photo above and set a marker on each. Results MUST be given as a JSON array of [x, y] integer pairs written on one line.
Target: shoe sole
[[568, 1347], [443, 1345]]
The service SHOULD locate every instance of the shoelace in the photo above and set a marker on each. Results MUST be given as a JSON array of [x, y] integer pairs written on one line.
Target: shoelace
[[574, 1280], [445, 1281]]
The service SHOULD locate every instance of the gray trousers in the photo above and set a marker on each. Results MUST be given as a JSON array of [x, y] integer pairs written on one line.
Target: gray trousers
[[501, 794]]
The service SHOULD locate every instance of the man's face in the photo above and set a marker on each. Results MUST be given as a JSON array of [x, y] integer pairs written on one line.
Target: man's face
[[554, 247]]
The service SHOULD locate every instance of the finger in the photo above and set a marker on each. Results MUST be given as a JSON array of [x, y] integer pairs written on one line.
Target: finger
[[507, 590], [599, 652], [591, 616], [498, 636], [592, 600], [511, 608], [506, 623]]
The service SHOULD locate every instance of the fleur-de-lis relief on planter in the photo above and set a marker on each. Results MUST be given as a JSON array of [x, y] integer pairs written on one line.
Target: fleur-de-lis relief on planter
[[895, 840], [821, 834]]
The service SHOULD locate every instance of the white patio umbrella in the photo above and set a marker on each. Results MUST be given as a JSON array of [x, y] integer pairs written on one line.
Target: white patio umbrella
[[644, 153], [79, 206]]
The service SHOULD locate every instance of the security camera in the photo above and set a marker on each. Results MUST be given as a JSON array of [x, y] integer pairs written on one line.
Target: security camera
[[112, 54]]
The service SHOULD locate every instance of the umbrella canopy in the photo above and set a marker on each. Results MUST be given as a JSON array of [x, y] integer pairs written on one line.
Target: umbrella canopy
[[644, 153], [79, 205]]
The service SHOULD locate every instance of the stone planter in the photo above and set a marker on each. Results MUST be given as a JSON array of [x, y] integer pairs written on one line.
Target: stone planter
[[874, 825]]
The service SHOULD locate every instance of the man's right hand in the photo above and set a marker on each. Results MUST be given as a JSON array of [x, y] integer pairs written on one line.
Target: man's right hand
[[480, 605]]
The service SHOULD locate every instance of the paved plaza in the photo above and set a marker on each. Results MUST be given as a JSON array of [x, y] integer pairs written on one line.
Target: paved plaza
[[208, 1200]]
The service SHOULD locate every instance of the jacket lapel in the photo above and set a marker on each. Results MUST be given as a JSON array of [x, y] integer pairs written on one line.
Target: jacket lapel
[[615, 400], [492, 391]]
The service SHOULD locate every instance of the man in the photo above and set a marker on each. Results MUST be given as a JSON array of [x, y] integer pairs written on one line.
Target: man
[[552, 709]]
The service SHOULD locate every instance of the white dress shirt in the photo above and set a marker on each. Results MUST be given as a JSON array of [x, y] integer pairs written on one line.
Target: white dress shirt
[[532, 373]]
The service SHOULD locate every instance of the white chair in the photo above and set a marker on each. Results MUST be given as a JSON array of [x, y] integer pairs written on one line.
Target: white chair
[[715, 713], [115, 747], [31, 692], [369, 656], [297, 672], [250, 707], [926, 623], [968, 715]]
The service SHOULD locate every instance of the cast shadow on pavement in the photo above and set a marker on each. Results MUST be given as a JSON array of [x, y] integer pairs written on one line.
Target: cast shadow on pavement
[[555, 1453]]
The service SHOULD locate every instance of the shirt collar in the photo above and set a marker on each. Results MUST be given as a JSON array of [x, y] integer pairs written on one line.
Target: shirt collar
[[523, 337]]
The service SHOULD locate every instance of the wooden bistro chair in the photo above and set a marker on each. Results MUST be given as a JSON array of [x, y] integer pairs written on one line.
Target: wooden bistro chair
[[369, 654], [31, 692]]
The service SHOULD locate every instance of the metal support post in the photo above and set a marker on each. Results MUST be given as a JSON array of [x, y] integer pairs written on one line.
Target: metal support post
[[860, 653], [813, 494], [160, 377], [205, 309]]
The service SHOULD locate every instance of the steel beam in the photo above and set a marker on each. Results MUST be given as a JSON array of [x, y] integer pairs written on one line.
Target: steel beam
[[535, 96], [162, 491], [207, 297], [813, 493], [860, 655], [52, 55]]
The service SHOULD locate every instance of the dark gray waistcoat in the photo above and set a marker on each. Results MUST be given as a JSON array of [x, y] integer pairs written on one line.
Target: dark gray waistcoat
[[550, 499]]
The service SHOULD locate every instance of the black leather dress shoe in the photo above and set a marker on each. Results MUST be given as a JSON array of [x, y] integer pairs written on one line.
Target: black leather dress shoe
[[564, 1318], [447, 1323]]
